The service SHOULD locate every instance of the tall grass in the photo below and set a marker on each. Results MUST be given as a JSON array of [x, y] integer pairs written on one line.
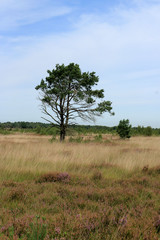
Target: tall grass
[[30, 155]]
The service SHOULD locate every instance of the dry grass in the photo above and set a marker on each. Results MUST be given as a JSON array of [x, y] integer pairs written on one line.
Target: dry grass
[[23, 153], [94, 190]]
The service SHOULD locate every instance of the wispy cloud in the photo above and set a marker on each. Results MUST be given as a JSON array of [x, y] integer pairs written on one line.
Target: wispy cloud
[[132, 46], [14, 13]]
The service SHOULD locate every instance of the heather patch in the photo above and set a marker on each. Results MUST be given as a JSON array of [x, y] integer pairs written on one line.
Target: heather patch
[[54, 177], [121, 209]]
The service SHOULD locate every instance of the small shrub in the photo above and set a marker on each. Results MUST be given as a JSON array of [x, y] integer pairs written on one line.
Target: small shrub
[[54, 177], [124, 129]]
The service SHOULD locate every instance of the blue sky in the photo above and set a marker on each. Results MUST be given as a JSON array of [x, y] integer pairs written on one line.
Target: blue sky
[[118, 39]]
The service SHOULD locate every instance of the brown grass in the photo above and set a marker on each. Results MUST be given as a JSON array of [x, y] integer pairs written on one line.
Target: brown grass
[[35, 154]]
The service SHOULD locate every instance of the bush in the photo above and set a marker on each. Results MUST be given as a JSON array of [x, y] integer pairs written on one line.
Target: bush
[[124, 129], [148, 131]]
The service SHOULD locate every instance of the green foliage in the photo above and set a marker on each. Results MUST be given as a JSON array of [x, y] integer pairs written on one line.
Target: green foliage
[[73, 130], [47, 131], [38, 230], [124, 129], [69, 94], [22, 125], [87, 129], [11, 232], [98, 138], [148, 131], [145, 131], [5, 132]]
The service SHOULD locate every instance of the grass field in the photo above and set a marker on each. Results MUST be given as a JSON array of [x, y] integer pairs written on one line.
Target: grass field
[[108, 189]]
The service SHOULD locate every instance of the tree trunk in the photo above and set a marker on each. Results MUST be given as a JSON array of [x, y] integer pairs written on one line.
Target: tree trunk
[[62, 134]]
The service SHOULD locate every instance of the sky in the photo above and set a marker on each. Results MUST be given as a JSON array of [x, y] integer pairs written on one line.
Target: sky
[[118, 39]]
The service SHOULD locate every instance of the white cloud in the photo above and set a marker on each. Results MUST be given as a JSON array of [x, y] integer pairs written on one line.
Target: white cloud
[[132, 47], [14, 13]]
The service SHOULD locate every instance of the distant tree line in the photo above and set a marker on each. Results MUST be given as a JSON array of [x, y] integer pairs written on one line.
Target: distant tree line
[[48, 129], [22, 125], [145, 131]]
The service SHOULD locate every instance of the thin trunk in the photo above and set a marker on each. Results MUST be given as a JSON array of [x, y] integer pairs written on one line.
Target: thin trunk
[[62, 133], [68, 106], [62, 126]]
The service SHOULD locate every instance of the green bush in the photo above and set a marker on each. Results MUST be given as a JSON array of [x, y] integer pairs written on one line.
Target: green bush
[[124, 129], [148, 131]]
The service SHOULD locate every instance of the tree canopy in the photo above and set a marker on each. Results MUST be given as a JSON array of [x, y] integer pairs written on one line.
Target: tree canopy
[[69, 94]]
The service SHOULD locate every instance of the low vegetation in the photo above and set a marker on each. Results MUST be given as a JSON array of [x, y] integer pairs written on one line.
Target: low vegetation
[[99, 187], [48, 129]]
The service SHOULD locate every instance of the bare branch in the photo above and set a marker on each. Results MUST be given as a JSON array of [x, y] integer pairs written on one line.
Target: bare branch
[[44, 110], [54, 125]]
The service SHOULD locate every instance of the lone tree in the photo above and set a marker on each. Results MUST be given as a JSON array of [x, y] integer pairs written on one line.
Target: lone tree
[[124, 129], [69, 94]]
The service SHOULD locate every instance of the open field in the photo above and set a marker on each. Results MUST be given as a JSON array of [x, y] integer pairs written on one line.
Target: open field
[[105, 190], [33, 154]]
